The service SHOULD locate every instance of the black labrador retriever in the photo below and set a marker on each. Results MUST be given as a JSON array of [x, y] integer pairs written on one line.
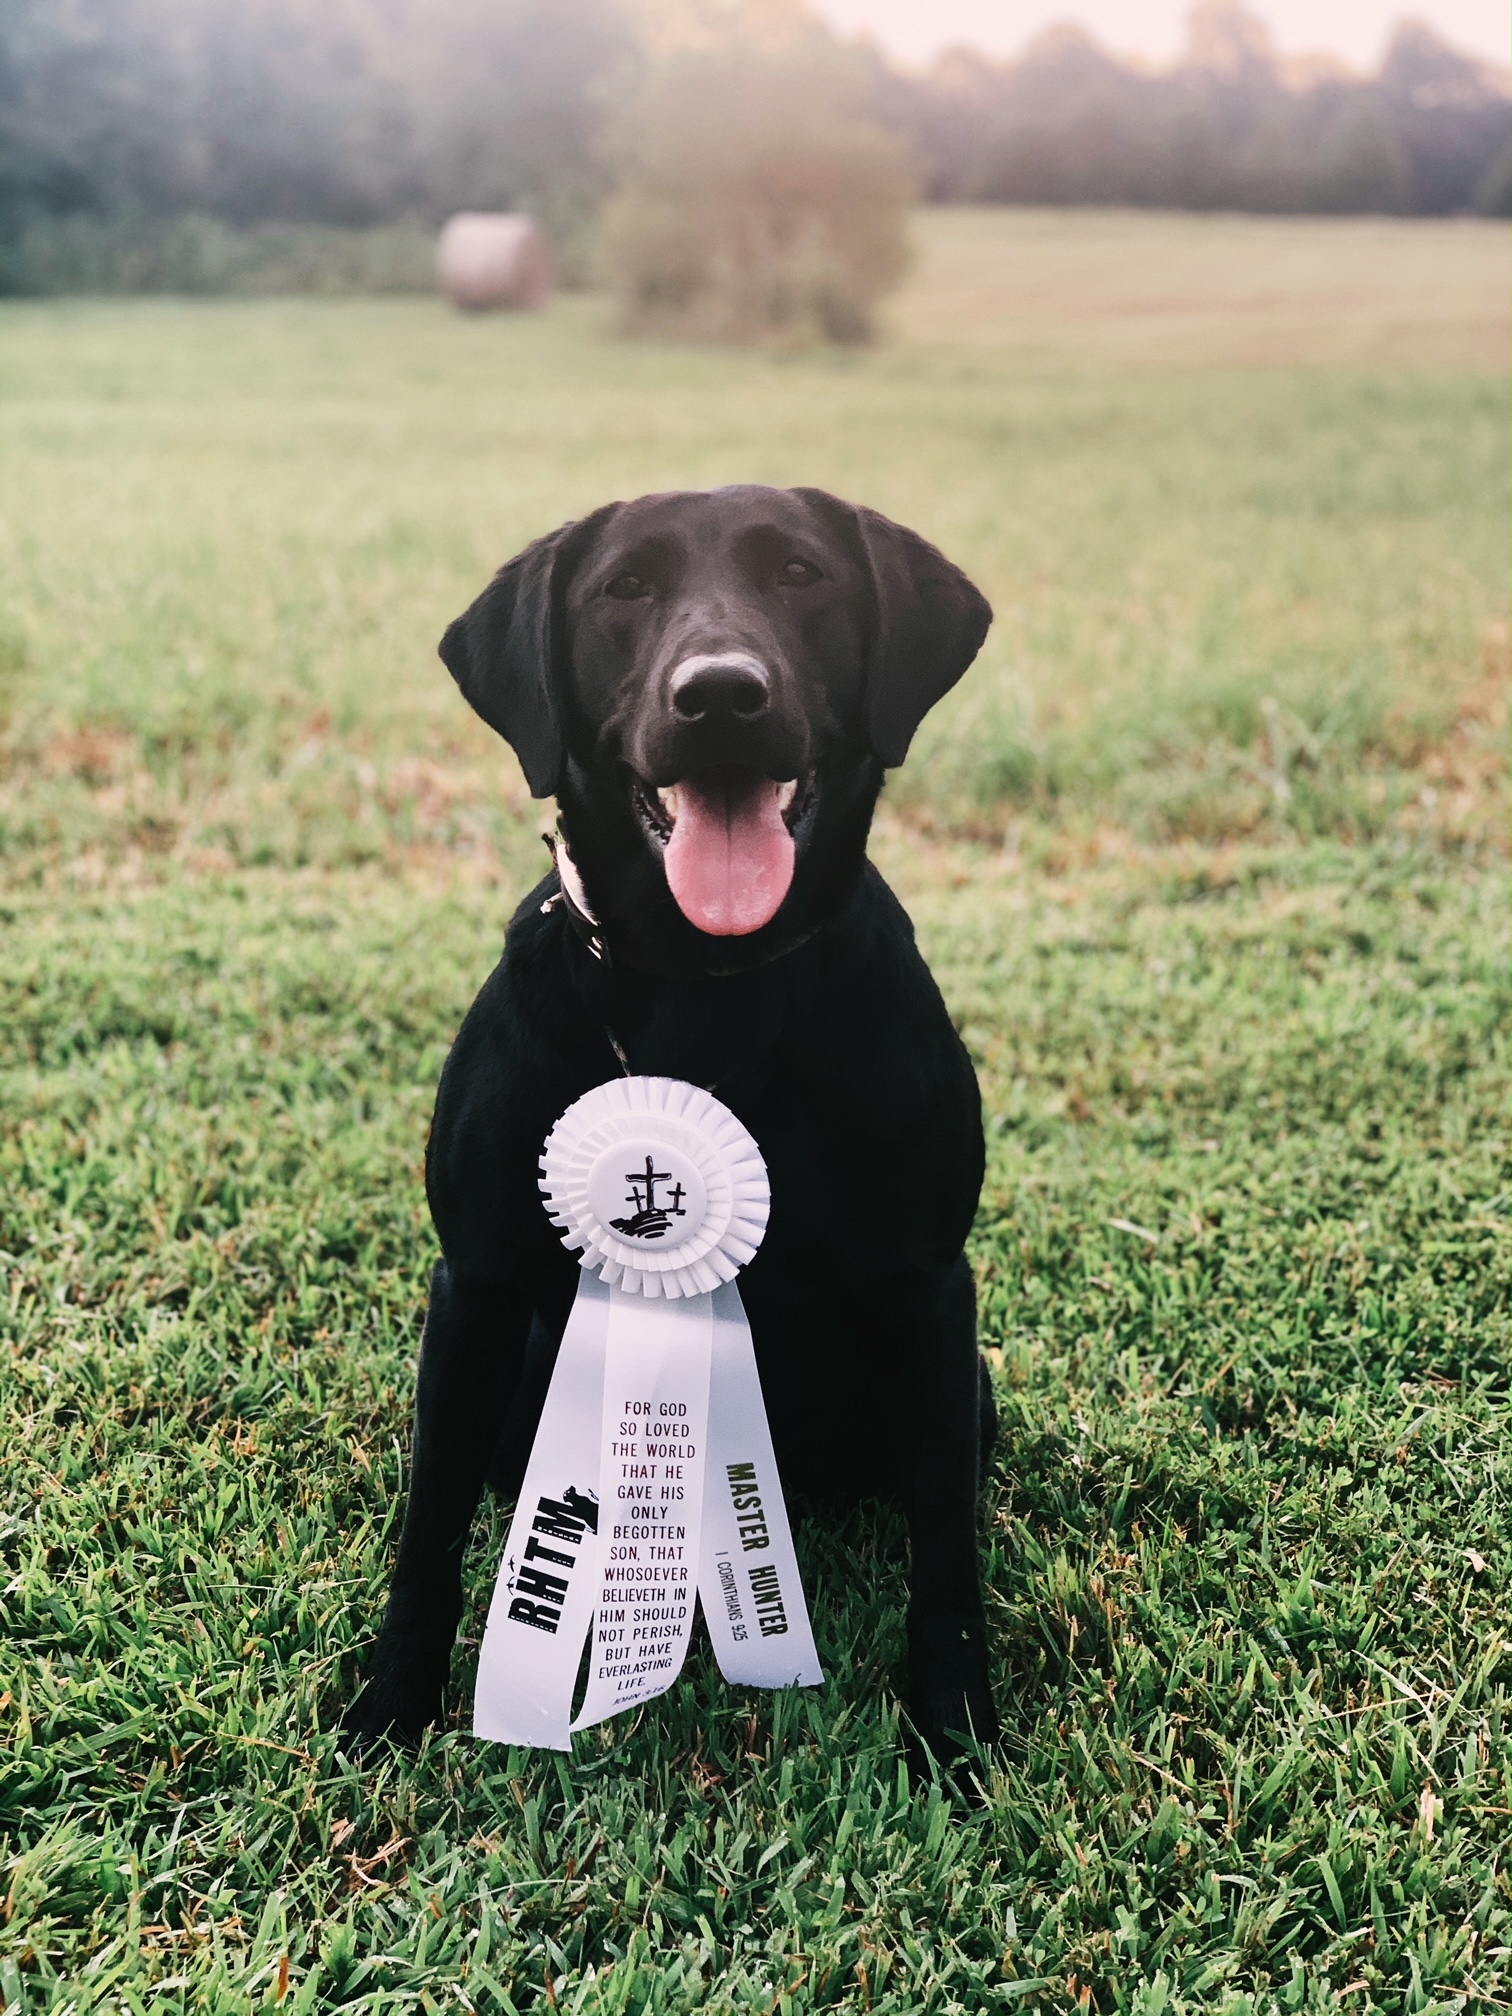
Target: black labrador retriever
[[711, 686]]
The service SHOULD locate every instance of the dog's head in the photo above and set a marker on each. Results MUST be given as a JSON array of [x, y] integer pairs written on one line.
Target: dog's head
[[711, 684]]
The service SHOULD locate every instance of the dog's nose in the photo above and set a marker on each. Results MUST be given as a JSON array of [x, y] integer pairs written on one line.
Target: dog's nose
[[714, 684]]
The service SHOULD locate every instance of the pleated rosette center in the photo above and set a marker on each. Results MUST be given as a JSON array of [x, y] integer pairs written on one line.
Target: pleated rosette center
[[657, 1186]]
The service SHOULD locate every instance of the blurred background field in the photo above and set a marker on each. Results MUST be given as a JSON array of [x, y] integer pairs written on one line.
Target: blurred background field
[[1232, 598], [1121, 287]]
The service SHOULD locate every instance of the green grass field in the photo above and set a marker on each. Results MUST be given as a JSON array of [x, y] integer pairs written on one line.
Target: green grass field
[[1209, 854]]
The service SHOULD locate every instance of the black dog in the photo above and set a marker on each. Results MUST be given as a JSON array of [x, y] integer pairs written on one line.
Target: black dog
[[711, 686]]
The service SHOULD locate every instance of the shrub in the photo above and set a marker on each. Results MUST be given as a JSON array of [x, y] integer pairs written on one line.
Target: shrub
[[758, 200]]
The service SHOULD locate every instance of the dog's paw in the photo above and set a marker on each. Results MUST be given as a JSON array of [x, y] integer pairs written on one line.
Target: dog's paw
[[376, 1716], [401, 1700], [950, 1695]]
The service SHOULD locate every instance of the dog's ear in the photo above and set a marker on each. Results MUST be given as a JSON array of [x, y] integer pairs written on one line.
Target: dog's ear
[[503, 651], [929, 623]]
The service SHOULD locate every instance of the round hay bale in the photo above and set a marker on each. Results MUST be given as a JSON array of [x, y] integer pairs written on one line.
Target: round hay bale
[[493, 259]]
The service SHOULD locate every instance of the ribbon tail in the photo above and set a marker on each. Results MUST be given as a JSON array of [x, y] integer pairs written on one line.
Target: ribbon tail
[[655, 1417], [748, 1579], [548, 1580]]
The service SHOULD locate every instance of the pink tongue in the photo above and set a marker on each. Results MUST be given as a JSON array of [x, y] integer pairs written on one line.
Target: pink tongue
[[730, 858]]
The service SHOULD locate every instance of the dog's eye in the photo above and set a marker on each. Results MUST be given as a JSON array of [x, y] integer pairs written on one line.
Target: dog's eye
[[628, 588], [797, 573]]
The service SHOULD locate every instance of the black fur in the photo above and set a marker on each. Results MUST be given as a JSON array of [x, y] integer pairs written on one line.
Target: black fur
[[823, 1031]]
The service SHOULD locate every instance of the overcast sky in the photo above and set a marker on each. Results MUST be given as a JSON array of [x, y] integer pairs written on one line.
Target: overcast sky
[[1354, 29]]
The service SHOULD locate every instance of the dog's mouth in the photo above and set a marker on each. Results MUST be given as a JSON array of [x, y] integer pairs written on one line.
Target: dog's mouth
[[728, 839]]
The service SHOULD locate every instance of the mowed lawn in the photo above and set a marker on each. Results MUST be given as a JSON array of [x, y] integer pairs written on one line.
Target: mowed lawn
[[1209, 854]]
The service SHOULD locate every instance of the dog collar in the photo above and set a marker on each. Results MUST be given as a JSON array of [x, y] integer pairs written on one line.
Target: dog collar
[[573, 898]]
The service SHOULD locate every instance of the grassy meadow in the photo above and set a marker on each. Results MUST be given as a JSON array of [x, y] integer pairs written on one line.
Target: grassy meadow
[[1209, 854]]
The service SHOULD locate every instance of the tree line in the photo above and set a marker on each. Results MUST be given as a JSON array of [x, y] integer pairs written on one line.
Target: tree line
[[124, 118], [337, 112], [1232, 126]]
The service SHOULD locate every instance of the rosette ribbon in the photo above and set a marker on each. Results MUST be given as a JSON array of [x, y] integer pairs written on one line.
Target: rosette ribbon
[[652, 1475]]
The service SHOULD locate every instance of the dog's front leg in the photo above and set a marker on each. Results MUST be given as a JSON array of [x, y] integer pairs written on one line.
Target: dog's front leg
[[470, 1360], [951, 1694]]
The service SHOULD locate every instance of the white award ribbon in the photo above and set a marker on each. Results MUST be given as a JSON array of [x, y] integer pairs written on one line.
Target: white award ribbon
[[652, 1474]]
